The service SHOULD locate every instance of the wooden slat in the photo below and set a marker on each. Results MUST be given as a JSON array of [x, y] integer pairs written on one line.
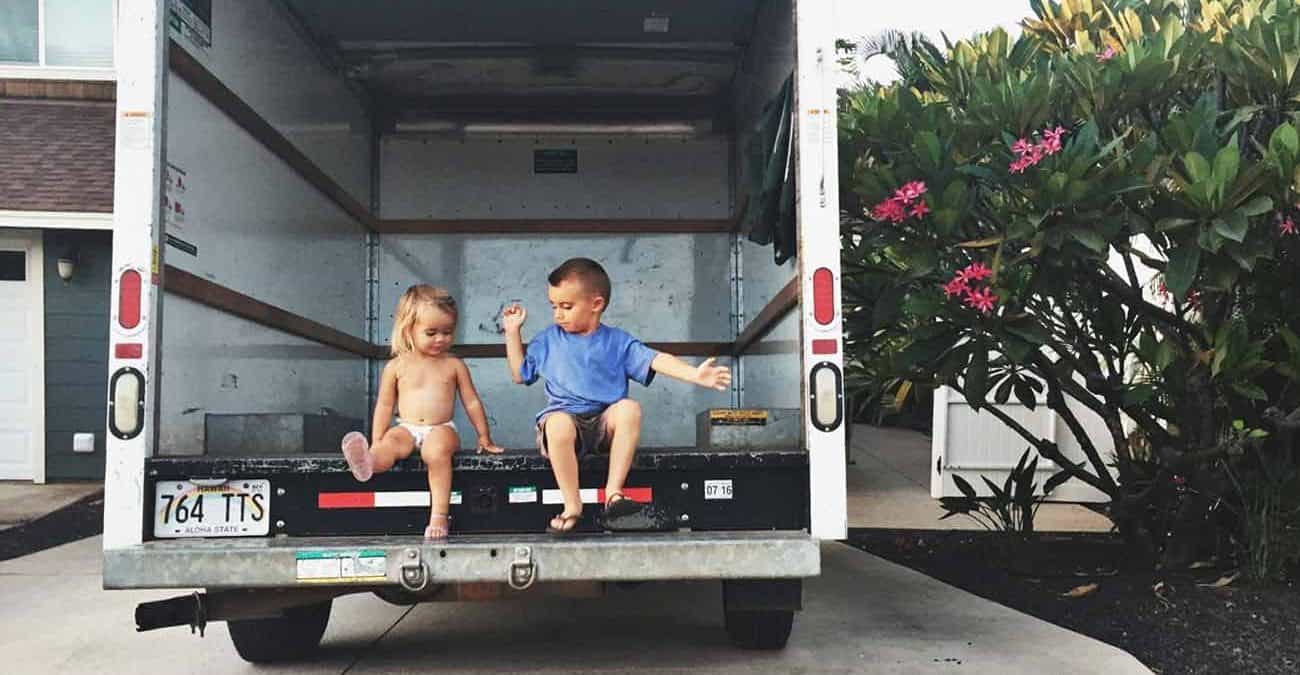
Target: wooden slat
[[785, 301], [230, 301], [225, 100], [219, 297], [531, 226]]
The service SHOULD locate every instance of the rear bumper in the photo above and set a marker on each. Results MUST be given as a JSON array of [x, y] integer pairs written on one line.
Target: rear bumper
[[282, 562]]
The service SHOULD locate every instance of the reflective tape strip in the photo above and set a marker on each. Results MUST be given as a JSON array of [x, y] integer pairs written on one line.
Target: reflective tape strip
[[597, 496], [345, 500], [386, 499], [377, 500]]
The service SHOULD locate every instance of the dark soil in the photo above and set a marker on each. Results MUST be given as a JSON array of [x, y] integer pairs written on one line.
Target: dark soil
[[78, 520], [1173, 622]]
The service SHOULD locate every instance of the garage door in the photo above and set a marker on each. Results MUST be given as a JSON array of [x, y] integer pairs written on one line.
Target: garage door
[[22, 356]]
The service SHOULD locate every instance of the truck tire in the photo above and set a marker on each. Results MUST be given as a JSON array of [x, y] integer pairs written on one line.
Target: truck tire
[[759, 629], [293, 635]]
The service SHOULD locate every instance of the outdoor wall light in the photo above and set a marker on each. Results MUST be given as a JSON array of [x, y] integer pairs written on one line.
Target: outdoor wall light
[[67, 266]]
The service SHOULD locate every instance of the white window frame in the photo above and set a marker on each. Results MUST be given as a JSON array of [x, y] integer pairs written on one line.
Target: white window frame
[[56, 220], [41, 71]]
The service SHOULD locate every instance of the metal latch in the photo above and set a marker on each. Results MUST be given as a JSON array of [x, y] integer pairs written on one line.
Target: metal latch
[[523, 571], [414, 573]]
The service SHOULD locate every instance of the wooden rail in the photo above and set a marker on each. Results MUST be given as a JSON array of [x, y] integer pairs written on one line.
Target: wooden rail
[[786, 300]]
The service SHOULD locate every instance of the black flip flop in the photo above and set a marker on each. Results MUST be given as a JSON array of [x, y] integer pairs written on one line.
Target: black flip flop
[[617, 505], [564, 519]]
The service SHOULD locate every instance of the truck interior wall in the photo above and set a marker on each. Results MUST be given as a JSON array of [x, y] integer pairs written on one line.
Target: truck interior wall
[[262, 230], [666, 287], [258, 53], [770, 373], [217, 363], [618, 177]]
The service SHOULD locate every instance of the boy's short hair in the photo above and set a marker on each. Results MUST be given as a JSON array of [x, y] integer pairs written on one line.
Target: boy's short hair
[[585, 271]]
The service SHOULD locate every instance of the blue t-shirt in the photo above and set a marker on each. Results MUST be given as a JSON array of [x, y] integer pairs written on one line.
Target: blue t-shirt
[[586, 373]]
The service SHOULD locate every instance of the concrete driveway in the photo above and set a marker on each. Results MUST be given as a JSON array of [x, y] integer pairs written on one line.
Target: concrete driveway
[[862, 615]]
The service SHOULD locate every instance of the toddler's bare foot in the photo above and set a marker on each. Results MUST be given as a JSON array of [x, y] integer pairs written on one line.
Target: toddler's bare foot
[[439, 526], [357, 452]]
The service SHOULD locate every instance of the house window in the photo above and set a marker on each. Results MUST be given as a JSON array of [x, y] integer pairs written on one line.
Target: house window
[[57, 33], [13, 265]]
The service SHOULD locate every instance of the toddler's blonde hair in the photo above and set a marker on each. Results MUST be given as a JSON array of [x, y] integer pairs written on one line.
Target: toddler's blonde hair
[[408, 308]]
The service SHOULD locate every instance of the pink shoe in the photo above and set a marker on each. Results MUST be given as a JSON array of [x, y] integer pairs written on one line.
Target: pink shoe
[[357, 452]]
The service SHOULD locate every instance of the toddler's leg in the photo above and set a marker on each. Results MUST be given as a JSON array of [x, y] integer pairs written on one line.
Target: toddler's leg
[[623, 422], [396, 444], [439, 446], [561, 448]]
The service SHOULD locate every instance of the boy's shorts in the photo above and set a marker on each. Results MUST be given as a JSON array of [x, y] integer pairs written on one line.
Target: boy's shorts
[[593, 433]]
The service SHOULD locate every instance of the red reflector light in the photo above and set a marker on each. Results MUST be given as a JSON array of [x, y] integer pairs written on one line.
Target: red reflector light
[[128, 350], [823, 296], [128, 299], [825, 346]]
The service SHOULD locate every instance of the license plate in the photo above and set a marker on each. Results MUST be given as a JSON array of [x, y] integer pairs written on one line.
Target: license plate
[[235, 508]]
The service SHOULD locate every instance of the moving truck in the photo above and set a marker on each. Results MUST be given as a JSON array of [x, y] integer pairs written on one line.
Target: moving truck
[[285, 169]]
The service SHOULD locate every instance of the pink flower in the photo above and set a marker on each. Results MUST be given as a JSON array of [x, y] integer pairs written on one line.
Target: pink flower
[[1022, 147], [1020, 165], [920, 209], [1106, 55], [981, 299], [1286, 226], [890, 210], [976, 271], [910, 192], [956, 287]]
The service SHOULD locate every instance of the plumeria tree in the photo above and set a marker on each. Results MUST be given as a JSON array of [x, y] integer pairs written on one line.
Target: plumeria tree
[[1100, 217]]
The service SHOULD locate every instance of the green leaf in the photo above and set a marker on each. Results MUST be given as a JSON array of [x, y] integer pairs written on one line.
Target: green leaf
[[1258, 206], [928, 142], [922, 352], [1181, 270], [1090, 238], [977, 377], [1167, 224], [1250, 391], [1226, 163], [1198, 169], [1232, 226], [1284, 144]]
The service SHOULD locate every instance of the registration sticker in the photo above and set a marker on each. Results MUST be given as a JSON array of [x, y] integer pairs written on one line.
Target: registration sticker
[[525, 494], [341, 567], [717, 489]]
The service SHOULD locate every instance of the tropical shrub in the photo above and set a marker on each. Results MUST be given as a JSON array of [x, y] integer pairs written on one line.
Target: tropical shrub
[[1100, 216]]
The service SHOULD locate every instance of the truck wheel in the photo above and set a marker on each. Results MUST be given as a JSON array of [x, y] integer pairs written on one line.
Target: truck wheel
[[293, 635], [764, 629]]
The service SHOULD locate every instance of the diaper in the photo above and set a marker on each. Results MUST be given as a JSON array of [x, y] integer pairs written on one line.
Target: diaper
[[419, 431]]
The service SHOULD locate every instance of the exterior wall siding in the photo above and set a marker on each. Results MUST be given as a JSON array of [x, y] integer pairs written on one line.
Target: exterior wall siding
[[76, 351]]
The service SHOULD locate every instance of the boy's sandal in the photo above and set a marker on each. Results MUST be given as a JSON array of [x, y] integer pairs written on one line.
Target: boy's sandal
[[438, 531], [617, 505], [568, 523]]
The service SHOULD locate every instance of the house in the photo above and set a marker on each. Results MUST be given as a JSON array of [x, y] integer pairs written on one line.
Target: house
[[56, 200]]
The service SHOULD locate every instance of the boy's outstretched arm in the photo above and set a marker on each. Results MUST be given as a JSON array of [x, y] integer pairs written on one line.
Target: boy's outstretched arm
[[513, 320], [706, 374], [474, 409]]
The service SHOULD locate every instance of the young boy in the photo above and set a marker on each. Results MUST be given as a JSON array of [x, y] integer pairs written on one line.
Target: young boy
[[586, 365]]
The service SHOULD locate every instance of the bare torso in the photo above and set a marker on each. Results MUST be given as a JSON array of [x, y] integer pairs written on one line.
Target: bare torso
[[426, 388]]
